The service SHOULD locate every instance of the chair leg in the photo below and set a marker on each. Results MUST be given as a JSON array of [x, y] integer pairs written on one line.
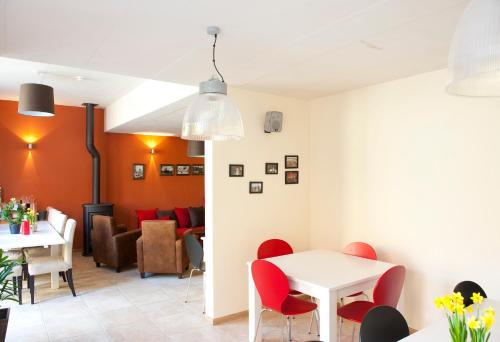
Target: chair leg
[[353, 327], [340, 328], [189, 284], [14, 285], [118, 269], [311, 321], [179, 275], [63, 275], [25, 271], [258, 324], [20, 289], [69, 275], [317, 321], [143, 275], [97, 264], [31, 282], [289, 324]]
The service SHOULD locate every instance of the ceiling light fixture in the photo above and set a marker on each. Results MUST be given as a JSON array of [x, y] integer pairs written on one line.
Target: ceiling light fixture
[[36, 100], [196, 149], [213, 115], [474, 59]]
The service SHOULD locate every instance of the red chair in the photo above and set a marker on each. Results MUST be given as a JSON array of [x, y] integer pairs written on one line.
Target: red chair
[[386, 292], [274, 291], [362, 250], [272, 248]]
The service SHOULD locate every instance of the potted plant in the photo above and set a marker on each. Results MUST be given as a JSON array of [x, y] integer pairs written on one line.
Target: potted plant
[[13, 213], [6, 291]]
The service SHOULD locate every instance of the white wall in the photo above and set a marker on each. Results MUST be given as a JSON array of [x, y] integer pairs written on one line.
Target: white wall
[[241, 221], [415, 172]]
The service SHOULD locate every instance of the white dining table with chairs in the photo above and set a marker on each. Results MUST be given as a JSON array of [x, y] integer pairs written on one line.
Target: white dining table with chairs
[[45, 236], [323, 274]]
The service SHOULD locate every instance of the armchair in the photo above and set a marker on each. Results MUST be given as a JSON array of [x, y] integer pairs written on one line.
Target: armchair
[[112, 244]]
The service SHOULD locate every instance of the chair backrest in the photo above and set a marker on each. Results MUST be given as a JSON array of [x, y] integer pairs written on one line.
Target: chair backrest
[[159, 244], [389, 286], [467, 288], [194, 250], [59, 222], [50, 214], [360, 249], [272, 248], [69, 234], [383, 323], [271, 283]]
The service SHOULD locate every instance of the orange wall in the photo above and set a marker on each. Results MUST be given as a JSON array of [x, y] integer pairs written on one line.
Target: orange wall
[[57, 171]]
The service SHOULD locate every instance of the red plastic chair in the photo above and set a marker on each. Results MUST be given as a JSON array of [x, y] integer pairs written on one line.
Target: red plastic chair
[[386, 292], [362, 250], [273, 288], [272, 248]]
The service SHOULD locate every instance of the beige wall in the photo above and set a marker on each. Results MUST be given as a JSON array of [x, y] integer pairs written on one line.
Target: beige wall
[[415, 172], [241, 220]]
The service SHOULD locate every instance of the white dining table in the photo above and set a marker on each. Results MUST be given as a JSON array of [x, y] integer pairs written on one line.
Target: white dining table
[[438, 331], [325, 275], [45, 236]]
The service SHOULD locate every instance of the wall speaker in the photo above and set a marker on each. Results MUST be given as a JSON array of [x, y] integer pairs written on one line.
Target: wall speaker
[[274, 121]]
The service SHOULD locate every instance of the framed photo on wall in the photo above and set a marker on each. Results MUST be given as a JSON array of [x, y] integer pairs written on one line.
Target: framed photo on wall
[[198, 170], [236, 170], [183, 170], [256, 187], [291, 177], [137, 171], [271, 168], [167, 170], [291, 162]]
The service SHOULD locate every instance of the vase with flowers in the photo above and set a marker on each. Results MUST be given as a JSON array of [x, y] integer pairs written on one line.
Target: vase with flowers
[[13, 212], [470, 321]]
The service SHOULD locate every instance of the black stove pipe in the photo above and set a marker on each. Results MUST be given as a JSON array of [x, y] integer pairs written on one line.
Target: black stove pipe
[[96, 158]]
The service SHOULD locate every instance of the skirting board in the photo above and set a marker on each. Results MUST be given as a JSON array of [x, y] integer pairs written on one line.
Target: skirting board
[[224, 319]]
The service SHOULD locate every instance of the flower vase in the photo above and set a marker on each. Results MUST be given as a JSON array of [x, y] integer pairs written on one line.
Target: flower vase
[[15, 228], [33, 227]]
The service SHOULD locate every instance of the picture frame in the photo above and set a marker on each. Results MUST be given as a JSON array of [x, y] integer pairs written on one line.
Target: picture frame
[[236, 170], [291, 162], [138, 171], [291, 177], [183, 170], [271, 168], [198, 169], [256, 187], [167, 170]]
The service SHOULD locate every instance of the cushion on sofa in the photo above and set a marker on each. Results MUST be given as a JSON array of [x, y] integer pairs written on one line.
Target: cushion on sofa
[[165, 218], [150, 214], [197, 216], [183, 219], [162, 213]]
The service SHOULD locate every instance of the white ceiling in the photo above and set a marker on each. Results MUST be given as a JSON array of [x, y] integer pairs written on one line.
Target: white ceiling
[[303, 48], [72, 86]]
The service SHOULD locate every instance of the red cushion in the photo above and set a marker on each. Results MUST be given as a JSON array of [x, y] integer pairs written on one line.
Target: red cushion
[[145, 215], [295, 306], [181, 231], [183, 218], [165, 218], [355, 311]]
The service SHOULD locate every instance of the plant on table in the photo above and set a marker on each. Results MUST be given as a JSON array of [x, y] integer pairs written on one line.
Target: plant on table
[[466, 321], [13, 212]]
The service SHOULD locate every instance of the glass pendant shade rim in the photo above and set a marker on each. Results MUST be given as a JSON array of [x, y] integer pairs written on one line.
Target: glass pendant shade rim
[[36, 100]]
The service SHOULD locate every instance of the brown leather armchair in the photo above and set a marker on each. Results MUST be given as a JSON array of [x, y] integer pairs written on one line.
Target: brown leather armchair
[[159, 250], [112, 244]]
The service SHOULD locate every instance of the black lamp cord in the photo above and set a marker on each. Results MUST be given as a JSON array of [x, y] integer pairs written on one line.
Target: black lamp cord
[[213, 58]]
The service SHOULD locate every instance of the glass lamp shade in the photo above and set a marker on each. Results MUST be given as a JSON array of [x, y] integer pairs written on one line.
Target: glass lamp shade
[[212, 116], [36, 100], [474, 58], [196, 148]]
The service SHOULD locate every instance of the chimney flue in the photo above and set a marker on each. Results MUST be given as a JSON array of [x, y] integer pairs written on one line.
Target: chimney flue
[[96, 158]]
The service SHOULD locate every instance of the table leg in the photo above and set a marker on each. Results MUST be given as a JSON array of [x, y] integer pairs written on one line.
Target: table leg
[[54, 276], [328, 316], [254, 308]]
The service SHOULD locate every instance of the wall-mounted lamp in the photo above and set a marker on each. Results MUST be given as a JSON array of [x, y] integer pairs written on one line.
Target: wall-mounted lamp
[[30, 146], [152, 151]]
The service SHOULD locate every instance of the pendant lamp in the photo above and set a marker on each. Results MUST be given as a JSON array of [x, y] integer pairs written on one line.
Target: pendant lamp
[[474, 59], [196, 148], [212, 115], [36, 100]]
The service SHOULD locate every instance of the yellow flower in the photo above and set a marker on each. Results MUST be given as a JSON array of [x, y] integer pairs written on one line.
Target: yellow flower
[[448, 303], [473, 323], [490, 311], [469, 309], [439, 302], [477, 298], [460, 309], [458, 298], [488, 320]]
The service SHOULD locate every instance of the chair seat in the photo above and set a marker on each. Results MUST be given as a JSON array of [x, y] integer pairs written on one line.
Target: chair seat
[[17, 271], [14, 254], [33, 252], [46, 264], [295, 293], [294, 306], [355, 311]]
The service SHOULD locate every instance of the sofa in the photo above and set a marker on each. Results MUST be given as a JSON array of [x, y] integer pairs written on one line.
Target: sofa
[[160, 249], [192, 218]]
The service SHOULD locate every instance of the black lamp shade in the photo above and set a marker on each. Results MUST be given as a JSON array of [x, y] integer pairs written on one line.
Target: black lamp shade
[[196, 148], [36, 100]]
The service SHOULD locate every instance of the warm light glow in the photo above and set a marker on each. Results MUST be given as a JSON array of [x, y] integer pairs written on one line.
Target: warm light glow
[[29, 138], [159, 134]]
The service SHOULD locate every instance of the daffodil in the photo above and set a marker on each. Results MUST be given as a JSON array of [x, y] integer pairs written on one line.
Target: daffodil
[[488, 320], [459, 308], [473, 323], [477, 298], [439, 302], [458, 298], [490, 311], [469, 309]]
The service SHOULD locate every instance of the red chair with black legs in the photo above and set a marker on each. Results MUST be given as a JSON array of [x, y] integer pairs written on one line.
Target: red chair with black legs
[[386, 292], [274, 291]]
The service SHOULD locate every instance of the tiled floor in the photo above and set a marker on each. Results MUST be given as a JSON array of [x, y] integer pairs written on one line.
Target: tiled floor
[[123, 307]]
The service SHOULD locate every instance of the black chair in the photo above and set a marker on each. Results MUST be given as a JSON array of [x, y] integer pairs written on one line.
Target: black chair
[[195, 253], [383, 323], [467, 288]]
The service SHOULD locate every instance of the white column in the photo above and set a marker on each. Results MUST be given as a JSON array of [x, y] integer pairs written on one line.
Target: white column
[[254, 307], [328, 315]]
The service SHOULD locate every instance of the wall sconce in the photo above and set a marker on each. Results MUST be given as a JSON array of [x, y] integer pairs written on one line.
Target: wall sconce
[[30, 146], [152, 151]]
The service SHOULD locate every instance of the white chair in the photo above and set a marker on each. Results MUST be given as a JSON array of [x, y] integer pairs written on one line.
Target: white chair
[[58, 221], [49, 264], [50, 214]]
